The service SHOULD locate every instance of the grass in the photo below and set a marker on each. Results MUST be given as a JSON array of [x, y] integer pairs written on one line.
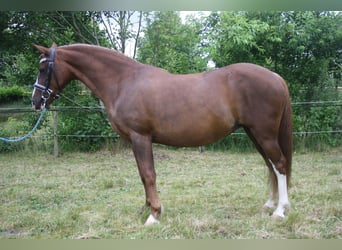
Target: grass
[[211, 195]]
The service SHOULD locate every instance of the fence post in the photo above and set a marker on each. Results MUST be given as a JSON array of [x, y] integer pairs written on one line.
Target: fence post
[[55, 134]]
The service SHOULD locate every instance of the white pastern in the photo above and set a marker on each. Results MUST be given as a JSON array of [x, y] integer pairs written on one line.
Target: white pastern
[[151, 221], [269, 203], [283, 201]]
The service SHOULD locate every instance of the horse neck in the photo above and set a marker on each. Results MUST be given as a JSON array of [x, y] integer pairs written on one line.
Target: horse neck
[[99, 69]]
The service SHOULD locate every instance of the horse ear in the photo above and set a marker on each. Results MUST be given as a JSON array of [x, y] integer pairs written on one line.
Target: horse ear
[[41, 49], [54, 45]]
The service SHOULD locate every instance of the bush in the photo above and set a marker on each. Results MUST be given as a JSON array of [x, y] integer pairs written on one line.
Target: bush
[[85, 130], [11, 94]]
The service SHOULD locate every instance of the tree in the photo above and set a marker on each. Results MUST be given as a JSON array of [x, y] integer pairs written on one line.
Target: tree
[[303, 47], [18, 65], [234, 38], [172, 45], [21, 29], [120, 28]]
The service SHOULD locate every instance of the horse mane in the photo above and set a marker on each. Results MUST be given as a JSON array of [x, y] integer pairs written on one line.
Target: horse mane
[[99, 51]]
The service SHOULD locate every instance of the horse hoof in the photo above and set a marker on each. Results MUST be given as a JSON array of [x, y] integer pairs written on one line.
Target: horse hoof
[[151, 221], [267, 207], [277, 216]]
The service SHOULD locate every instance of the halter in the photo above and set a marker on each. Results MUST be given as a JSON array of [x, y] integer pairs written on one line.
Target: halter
[[46, 90]]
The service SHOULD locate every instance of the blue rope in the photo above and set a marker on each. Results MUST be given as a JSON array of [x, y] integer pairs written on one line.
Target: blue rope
[[29, 133]]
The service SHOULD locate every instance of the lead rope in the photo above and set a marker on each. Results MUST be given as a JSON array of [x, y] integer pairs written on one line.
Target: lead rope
[[29, 133]]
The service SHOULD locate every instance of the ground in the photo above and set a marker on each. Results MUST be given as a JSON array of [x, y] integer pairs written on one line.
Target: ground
[[210, 195]]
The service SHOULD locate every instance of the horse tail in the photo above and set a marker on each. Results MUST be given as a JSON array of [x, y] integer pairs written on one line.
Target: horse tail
[[285, 137]]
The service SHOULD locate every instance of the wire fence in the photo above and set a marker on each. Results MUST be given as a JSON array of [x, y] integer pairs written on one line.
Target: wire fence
[[335, 103], [3, 111], [239, 135]]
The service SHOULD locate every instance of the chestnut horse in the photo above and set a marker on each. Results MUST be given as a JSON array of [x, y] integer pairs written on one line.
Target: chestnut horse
[[146, 105]]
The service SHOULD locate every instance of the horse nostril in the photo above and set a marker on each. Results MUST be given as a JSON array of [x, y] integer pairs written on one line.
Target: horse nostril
[[35, 104]]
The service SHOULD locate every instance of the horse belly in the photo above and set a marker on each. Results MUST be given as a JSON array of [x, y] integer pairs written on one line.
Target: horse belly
[[193, 132]]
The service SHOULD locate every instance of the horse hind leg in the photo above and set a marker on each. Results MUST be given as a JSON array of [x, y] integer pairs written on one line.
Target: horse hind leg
[[283, 200], [278, 162], [270, 203], [275, 160]]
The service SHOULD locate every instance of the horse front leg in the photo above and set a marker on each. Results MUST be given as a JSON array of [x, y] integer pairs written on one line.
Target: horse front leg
[[142, 149]]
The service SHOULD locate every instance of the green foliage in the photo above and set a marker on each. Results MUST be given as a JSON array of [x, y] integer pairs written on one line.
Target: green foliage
[[18, 62], [18, 125], [302, 46], [172, 45], [85, 130], [118, 26], [18, 67], [234, 38], [317, 118], [13, 93]]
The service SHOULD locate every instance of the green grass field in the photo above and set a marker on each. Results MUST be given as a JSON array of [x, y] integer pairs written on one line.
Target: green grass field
[[209, 195]]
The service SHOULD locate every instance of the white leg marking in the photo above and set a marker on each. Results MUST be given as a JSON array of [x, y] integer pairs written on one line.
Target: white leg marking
[[151, 221], [270, 202], [283, 201]]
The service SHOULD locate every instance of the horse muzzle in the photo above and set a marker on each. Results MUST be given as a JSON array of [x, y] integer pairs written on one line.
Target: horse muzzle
[[41, 103], [41, 100], [38, 106]]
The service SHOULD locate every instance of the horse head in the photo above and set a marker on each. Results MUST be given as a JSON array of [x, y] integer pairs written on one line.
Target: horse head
[[49, 82]]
